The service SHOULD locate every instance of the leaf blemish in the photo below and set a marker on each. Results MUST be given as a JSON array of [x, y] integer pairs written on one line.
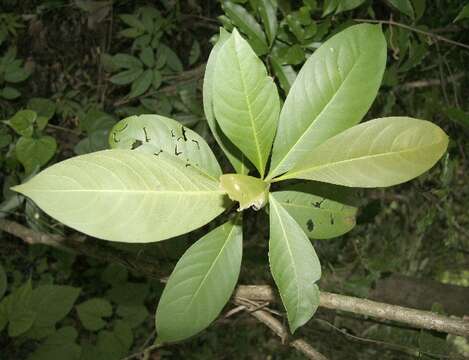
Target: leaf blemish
[[332, 219], [183, 132], [310, 225], [176, 152], [158, 153], [318, 204], [114, 137], [147, 139], [136, 144], [172, 134], [197, 143]]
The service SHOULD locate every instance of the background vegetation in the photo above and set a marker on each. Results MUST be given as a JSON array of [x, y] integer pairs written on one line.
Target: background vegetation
[[70, 69]]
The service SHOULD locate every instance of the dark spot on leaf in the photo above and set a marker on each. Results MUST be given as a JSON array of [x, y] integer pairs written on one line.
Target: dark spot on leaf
[[172, 133], [114, 137], [332, 219], [287, 201], [318, 204], [183, 132], [187, 165], [197, 143], [158, 153], [176, 152], [147, 139], [310, 225], [136, 144]]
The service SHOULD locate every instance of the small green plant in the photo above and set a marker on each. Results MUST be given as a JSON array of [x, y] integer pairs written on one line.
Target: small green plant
[[12, 71], [161, 179]]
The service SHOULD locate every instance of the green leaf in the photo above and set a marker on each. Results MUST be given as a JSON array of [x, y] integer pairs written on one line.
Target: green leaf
[[23, 122], [18, 307], [347, 5], [284, 73], [92, 312], [247, 190], [148, 57], [9, 93], [322, 101], [52, 303], [404, 6], [126, 77], [17, 75], [165, 135], [247, 24], [141, 84], [3, 282], [245, 100], [463, 14], [268, 13], [133, 315], [201, 284], [44, 108], [126, 61], [32, 153], [234, 155], [129, 293], [131, 196], [132, 21], [319, 216], [381, 152], [60, 345], [157, 79], [194, 55], [115, 345], [294, 266]]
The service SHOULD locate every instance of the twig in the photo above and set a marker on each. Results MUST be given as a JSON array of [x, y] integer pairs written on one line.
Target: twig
[[415, 318], [277, 327], [431, 82], [419, 31]]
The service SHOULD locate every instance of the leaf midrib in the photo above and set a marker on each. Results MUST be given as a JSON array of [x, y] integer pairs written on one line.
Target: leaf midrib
[[292, 259], [228, 238], [314, 121], [251, 116], [292, 174]]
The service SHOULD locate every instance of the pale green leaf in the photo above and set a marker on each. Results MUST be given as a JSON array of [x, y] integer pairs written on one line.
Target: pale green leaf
[[285, 74], [268, 13], [331, 93], [463, 14], [126, 196], [319, 216], [247, 24], [294, 266], [141, 84], [404, 6], [237, 159], [168, 136], [92, 312], [377, 153], [245, 100], [247, 190], [201, 284]]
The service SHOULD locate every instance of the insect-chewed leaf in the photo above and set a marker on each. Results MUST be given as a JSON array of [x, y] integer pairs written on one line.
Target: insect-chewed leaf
[[294, 266], [332, 92], [126, 196], [320, 216], [234, 155], [165, 135], [245, 99], [381, 152], [201, 284]]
